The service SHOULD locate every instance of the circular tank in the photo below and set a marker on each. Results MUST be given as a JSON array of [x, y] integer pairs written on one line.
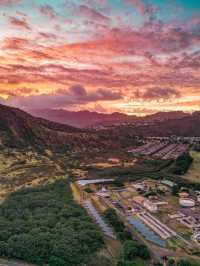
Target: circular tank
[[186, 202]]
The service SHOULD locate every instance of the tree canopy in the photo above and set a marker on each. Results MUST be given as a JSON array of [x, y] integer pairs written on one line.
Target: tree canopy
[[44, 225]]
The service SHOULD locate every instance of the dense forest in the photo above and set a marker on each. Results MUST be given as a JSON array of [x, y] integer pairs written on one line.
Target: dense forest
[[182, 165], [44, 225]]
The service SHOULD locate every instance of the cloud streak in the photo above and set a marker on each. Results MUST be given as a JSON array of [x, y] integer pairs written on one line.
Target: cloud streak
[[117, 54], [62, 98], [20, 23]]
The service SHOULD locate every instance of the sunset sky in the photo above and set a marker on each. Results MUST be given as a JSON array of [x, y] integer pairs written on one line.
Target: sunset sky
[[131, 56]]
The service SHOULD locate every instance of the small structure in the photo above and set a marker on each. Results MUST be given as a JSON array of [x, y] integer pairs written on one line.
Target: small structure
[[103, 193], [86, 182], [149, 205], [193, 214], [159, 228], [139, 186], [161, 203], [114, 160], [146, 203], [196, 237], [168, 183], [186, 202], [176, 215], [139, 200]]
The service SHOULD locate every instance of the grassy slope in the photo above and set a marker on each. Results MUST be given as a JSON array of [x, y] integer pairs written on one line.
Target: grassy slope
[[193, 173], [19, 169]]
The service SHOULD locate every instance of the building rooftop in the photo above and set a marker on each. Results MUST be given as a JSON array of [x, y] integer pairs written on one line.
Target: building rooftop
[[93, 181], [168, 183], [192, 213]]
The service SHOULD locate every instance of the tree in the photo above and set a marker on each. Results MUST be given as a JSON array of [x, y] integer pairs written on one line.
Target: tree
[[45, 226], [143, 252], [171, 262], [126, 263], [175, 190], [187, 263], [130, 250]]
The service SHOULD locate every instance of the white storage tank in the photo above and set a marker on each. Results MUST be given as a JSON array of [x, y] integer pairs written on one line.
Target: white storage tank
[[186, 202]]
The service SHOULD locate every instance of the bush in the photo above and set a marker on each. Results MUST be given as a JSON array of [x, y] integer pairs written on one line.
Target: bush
[[88, 190], [132, 249]]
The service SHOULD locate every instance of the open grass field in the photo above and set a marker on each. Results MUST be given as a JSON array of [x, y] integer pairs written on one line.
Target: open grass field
[[193, 173]]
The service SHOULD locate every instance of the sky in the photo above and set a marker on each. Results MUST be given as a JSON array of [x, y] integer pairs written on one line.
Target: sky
[[131, 56]]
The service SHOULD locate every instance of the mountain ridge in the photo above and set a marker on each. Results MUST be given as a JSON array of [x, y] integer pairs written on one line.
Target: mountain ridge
[[87, 118], [20, 129]]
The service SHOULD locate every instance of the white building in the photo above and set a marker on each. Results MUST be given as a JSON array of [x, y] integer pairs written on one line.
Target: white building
[[150, 206]]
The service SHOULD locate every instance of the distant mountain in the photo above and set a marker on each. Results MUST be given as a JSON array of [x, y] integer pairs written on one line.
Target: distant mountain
[[18, 129], [84, 119], [79, 119], [162, 116], [188, 126]]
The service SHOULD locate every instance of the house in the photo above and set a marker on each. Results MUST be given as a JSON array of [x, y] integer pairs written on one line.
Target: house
[[146, 203], [150, 206], [139, 200]]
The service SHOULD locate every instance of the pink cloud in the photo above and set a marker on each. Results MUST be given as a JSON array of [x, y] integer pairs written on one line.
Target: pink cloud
[[47, 35], [158, 93], [9, 2], [19, 23], [91, 13], [15, 43], [75, 95], [48, 11]]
